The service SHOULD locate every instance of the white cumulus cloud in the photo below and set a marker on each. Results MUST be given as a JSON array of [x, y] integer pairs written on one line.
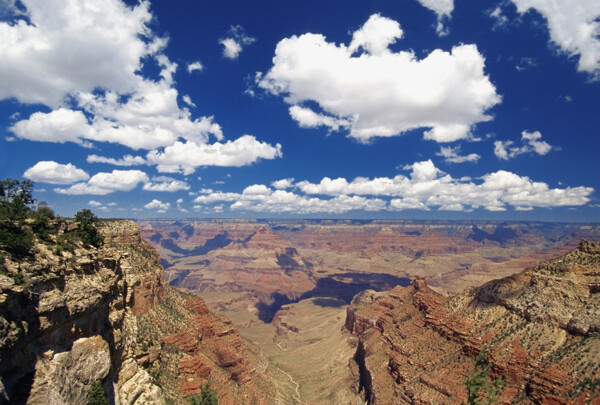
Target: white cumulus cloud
[[195, 67], [164, 183], [283, 183], [234, 43], [443, 9], [158, 205], [307, 118], [84, 60], [72, 46], [574, 26], [61, 125], [185, 157], [106, 183], [426, 188], [55, 173], [531, 143], [377, 92], [452, 155], [127, 160]]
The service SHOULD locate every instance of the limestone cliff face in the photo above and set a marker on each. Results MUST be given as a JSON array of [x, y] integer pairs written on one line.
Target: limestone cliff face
[[105, 315], [539, 330]]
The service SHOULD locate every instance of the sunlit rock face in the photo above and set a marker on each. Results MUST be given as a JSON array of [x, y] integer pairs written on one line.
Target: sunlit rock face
[[106, 315], [538, 329]]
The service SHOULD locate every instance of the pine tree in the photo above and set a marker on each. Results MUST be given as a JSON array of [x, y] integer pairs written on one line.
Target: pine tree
[[96, 394], [481, 389]]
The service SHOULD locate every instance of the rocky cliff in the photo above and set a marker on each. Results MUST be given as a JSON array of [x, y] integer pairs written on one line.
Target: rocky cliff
[[539, 330], [70, 318]]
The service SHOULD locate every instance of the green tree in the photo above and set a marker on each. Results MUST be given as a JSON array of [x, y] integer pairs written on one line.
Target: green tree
[[86, 228], [207, 397], [481, 389], [96, 394], [16, 197], [41, 224]]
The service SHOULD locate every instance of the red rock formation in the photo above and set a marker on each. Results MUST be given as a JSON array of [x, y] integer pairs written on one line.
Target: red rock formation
[[538, 329], [105, 315]]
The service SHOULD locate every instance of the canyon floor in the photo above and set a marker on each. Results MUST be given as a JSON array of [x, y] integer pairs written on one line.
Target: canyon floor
[[287, 285]]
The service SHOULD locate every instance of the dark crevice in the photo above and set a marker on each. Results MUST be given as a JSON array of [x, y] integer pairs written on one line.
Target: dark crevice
[[342, 286]]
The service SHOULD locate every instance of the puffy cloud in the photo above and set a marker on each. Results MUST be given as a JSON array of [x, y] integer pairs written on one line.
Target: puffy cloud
[[234, 43], [185, 157], [106, 183], [127, 160], [283, 183], [62, 125], [376, 35], [231, 49], [164, 183], [443, 9], [307, 118], [531, 143], [532, 138], [179, 207], [574, 26], [158, 205], [425, 188], [94, 203], [379, 92], [55, 173], [69, 46], [85, 62], [452, 155], [263, 199], [522, 192], [195, 67]]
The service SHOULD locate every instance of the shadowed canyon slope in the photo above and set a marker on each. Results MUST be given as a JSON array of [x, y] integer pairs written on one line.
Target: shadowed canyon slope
[[267, 276], [105, 315], [263, 264], [539, 330], [317, 312]]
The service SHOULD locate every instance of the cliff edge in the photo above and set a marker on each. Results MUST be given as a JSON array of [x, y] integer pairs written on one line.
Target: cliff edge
[[538, 330], [72, 317]]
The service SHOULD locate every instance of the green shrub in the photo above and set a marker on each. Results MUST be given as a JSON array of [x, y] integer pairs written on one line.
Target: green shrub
[[15, 200], [42, 224], [207, 397], [481, 389], [96, 394], [86, 228], [16, 240], [18, 278]]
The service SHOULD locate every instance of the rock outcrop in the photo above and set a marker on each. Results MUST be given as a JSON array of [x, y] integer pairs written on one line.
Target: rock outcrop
[[71, 318], [539, 330]]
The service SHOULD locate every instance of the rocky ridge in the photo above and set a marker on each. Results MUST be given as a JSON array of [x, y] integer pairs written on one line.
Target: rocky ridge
[[539, 329], [71, 318]]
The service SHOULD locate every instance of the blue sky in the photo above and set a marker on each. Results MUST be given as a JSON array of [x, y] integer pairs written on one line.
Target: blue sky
[[428, 109]]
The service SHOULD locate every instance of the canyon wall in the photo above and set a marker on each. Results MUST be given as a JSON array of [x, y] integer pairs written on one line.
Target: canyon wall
[[71, 318], [538, 330]]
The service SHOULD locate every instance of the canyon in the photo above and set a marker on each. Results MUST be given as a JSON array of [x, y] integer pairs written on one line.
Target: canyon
[[105, 315], [305, 312], [539, 331], [278, 280]]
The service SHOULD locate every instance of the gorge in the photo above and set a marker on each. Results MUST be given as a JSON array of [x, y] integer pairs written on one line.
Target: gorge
[[307, 312]]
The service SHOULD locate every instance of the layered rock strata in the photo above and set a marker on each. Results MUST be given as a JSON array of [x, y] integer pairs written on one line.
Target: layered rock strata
[[539, 329], [105, 315]]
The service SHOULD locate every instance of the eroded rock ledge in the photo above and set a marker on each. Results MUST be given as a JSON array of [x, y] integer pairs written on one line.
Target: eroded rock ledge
[[539, 330], [105, 315]]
